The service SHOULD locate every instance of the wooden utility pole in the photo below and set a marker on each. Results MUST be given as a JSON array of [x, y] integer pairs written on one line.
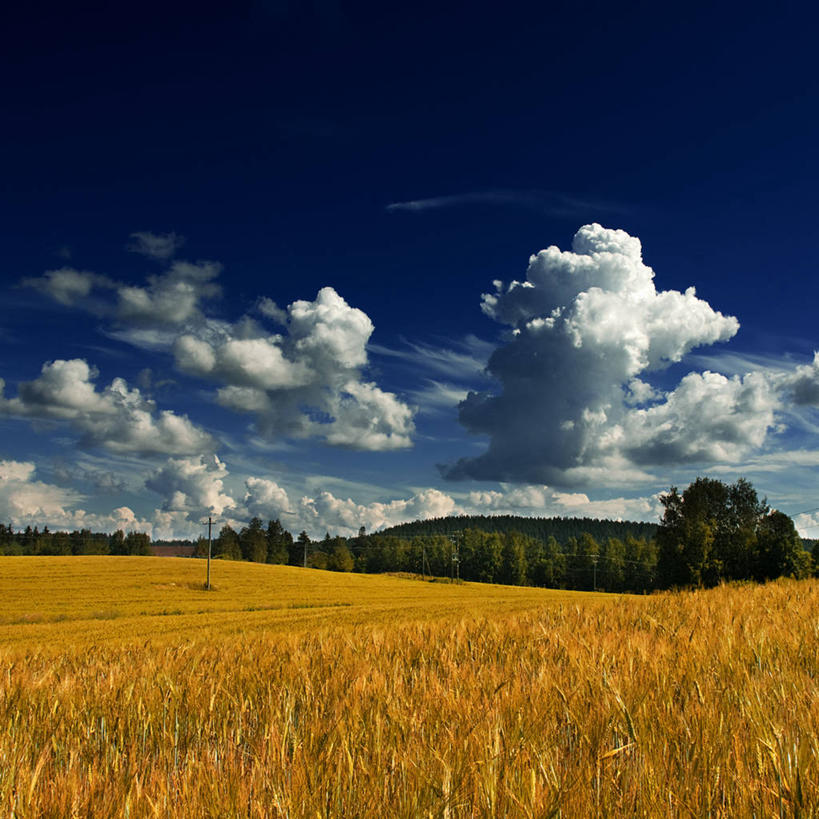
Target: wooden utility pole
[[210, 543], [455, 563]]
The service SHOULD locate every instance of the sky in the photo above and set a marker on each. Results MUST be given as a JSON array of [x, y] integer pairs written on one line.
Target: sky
[[349, 264]]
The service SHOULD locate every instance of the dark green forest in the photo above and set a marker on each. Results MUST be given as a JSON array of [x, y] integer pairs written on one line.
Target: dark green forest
[[562, 529], [710, 533]]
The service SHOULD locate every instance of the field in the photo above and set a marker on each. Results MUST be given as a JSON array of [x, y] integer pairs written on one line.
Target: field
[[126, 690]]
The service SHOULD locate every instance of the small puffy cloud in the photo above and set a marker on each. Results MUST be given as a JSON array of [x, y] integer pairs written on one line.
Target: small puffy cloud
[[325, 512], [265, 498], [170, 299], [366, 417], [328, 332], [192, 486], [586, 326], [68, 286], [118, 418], [251, 362], [155, 245], [803, 383]]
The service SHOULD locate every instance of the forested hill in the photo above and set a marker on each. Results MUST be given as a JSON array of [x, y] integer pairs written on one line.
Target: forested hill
[[541, 528]]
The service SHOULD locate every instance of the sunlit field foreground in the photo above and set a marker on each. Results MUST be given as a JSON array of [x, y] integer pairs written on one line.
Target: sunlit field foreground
[[392, 697]]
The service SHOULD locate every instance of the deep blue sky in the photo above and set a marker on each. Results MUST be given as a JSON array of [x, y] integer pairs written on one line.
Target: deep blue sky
[[274, 136]]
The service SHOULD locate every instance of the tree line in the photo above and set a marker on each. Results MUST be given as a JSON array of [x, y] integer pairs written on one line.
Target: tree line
[[560, 528], [488, 557], [709, 533], [30, 541]]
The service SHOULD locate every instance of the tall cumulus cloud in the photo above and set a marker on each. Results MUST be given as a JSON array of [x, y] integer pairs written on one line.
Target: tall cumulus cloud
[[585, 327]]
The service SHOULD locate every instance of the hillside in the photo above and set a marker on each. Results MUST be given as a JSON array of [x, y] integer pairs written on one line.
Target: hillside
[[541, 528]]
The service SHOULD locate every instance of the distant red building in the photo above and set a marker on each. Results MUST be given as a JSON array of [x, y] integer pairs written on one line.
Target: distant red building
[[172, 550]]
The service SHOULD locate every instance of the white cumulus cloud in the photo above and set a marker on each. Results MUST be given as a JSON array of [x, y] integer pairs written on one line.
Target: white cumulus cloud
[[344, 516], [307, 381], [26, 501], [586, 326], [192, 487], [117, 417], [304, 382]]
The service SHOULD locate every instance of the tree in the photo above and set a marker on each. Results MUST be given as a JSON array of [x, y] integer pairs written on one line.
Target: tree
[[253, 542], [226, 545], [116, 543], [278, 542], [715, 532], [779, 549], [547, 565], [612, 570], [687, 533], [200, 548], [137, 543], [340, 558], [640, 564], [587, 562], [513, 560]]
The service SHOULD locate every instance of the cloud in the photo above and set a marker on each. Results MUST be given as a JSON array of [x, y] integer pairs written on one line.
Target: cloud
[[803, 384], [464, 359], [170, 299], [155, 245], [265, 498], [193, 487], [307, 381], [557, 204], [329, 513], [740, 411], [22, 499], [543, 501], [25, 501], [117, 418], [586, 325], [103, 481], [438, 397], [68, 286]]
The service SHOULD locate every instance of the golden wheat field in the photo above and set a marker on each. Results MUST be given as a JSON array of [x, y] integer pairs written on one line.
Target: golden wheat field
[[126, 690]]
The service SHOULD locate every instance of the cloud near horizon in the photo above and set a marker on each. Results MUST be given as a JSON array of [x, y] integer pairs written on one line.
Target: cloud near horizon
[[191, 488]]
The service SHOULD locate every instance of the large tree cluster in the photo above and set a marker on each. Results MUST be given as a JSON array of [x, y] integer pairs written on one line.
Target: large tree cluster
[[714, 532]]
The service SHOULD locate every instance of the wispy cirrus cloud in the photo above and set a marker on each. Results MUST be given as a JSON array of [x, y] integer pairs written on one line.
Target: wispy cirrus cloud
[[551, 202], [464, 359]]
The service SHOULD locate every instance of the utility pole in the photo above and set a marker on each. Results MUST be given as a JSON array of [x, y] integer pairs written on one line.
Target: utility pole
[[594, 563], [455, 565], [210, 544], [305, 553]]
